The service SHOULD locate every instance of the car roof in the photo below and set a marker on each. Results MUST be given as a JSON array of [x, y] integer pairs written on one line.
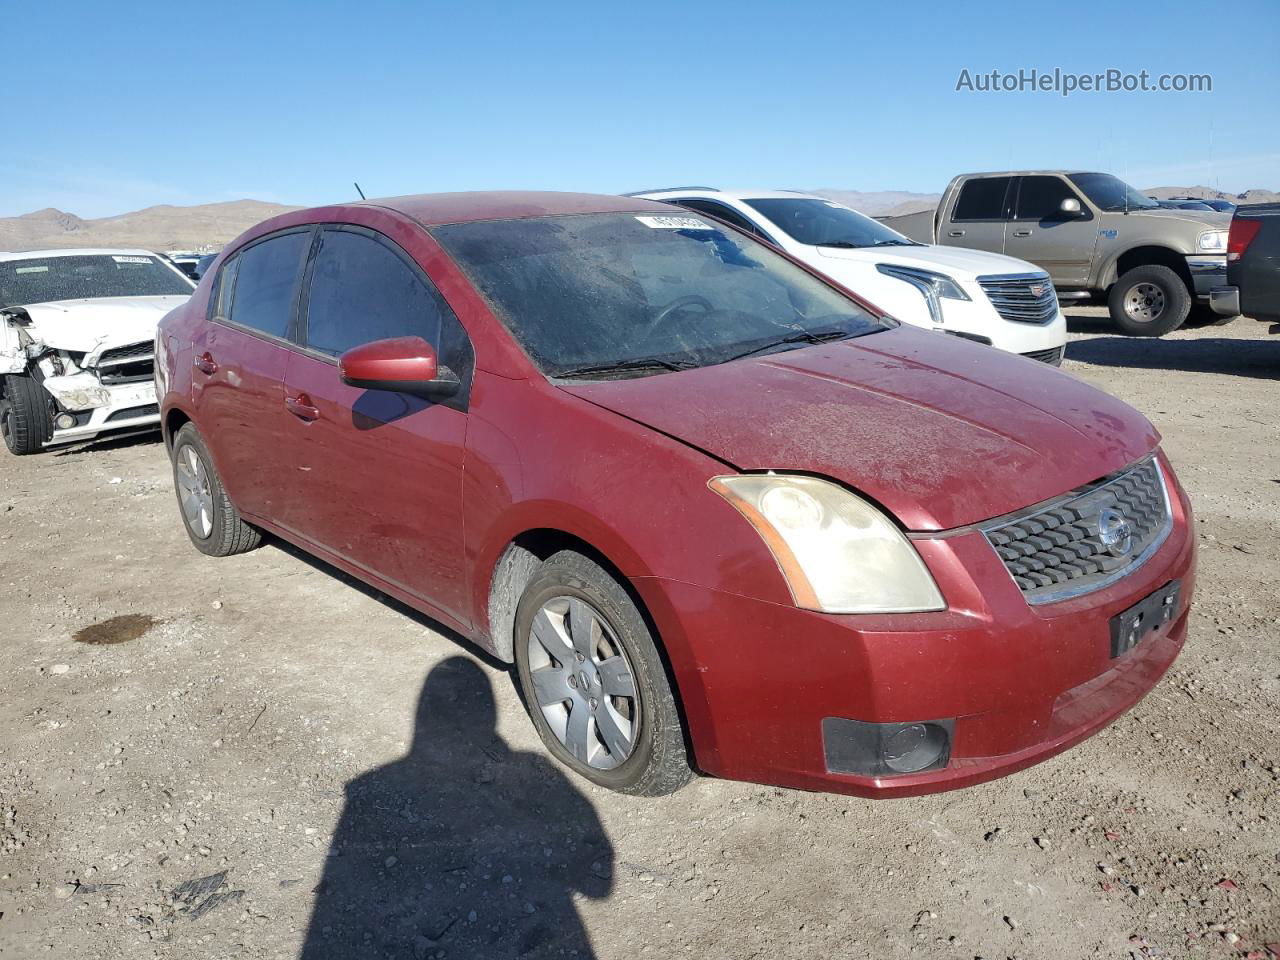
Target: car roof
[[710, 193], [434, 209], [78, 252]]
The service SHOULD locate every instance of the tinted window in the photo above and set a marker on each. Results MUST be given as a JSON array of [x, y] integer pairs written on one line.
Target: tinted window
[[982, 199], [267, 282], [727, 214], [1040, 198], [363, 290], [824, 223], [656, 291], [224, 286]]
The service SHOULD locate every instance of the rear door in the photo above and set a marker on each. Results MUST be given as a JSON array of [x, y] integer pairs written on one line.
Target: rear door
[[376, 477], [1040, 233], [979, 216], [239, 359]]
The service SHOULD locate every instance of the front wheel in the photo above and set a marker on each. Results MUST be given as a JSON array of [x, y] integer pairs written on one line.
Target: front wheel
[[593, 681], [1149, 301], [26, 416], [211, 519]]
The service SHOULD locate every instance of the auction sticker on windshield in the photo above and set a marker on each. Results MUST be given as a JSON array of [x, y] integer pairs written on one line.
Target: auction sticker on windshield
[[675, 223], [132, 259]]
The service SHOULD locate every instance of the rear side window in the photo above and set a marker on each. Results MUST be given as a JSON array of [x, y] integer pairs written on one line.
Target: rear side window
[[266, 283], [727, 214], [1040, 198], [361, 291], [982, 199], [224, 288]]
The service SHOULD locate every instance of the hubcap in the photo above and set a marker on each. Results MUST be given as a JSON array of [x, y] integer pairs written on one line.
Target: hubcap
[[194, 491], [582, 682], [1144, 302]]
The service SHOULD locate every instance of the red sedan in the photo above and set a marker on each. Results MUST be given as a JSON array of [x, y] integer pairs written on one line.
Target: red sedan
[[721, 514]]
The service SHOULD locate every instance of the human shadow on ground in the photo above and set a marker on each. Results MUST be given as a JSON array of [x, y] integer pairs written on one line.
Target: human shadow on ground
[[462, 848]]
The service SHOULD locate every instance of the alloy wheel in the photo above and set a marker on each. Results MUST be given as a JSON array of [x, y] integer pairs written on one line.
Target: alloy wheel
[[1144, 302], [583, 683], [194, 491]]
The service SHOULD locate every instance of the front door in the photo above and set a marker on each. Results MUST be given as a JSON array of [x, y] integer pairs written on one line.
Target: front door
[[1041, 233], [376, 476]]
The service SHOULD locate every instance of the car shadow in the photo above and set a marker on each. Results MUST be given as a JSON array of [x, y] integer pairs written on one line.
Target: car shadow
[[120, 441], [461, 848], [1244, 358]]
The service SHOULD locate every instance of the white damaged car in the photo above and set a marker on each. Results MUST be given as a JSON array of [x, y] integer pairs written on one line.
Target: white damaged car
[[77, 340]]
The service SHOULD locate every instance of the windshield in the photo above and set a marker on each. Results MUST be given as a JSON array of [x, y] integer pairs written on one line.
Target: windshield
[[822, 223], [1111, 193], [624, 295], [44, 279]]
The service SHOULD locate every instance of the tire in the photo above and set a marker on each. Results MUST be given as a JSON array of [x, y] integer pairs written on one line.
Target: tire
[[26, 415], [1149, 301], [646, 754], [208, 515]]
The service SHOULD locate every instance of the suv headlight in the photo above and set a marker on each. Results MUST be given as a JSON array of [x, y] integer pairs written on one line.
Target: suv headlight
[[933, 286], [838, 553], [1214, 240]]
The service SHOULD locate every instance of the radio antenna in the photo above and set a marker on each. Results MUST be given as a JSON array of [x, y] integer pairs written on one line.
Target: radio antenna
[[358, 190]]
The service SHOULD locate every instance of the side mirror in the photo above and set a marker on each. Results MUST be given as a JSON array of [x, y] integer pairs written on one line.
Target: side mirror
[[400, 365], [1070, 207]]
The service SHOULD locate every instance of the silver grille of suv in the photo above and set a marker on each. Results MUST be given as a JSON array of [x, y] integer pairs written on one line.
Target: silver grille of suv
[[1022, 297], [1086, 539]]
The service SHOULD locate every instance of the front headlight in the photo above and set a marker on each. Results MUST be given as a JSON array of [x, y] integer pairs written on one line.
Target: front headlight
[[1213, 240], [838, 553], [933, 286]]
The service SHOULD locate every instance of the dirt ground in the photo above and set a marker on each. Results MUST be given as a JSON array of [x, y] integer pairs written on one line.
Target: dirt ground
[[265, 759]]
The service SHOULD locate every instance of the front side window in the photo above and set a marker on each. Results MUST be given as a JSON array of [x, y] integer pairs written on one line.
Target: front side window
[[1040, 198], [78, 277], [266, 283], [982, 199], [622, 294], [822, 223], [362, 290]]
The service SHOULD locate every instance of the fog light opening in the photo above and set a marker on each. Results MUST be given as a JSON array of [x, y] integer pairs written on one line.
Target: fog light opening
[[64, 421], [914, 747]]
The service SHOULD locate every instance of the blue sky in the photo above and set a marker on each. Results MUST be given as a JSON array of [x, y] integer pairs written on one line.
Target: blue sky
[[113, 107]]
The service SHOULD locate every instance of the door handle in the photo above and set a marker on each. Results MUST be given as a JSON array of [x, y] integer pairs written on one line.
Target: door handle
[[204, 363], [1022, 233], [302, 407], [955, 233]]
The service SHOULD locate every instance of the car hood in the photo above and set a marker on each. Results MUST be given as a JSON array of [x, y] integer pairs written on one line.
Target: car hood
[[91, 325], [940, 431], [1209, 219], [958, 262]]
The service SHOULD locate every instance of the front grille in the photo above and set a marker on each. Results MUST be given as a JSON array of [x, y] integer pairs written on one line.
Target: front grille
[[131, 413], [1077, 543], [132, 363], [1015, 297], [1052, 356]]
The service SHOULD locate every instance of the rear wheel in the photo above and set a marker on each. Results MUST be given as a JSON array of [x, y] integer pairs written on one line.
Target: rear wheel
[[1149, 301], [593, 681], [211, 519], [26, 415]]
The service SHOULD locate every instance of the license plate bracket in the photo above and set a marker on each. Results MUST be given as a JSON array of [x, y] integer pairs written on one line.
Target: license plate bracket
[[1131, 627]]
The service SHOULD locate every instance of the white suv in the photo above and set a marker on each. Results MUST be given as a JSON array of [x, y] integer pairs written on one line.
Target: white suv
[[980, 296]]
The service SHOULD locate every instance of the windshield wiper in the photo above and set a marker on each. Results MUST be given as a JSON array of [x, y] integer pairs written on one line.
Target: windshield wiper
[[804, 336], [623, 366], [896, 243], [840, 244]]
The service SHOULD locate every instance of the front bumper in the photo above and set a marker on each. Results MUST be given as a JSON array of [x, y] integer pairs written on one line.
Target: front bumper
[[1225, 301], [1021, 683], [977, 319], [1207, 272], [126, 406]]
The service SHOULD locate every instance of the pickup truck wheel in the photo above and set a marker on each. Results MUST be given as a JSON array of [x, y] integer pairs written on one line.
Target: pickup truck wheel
[[1149, 301], [26, 419], [593, 681], [211, 519]]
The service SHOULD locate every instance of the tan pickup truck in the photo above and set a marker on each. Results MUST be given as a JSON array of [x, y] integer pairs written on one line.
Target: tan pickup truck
[[1096, 236]]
